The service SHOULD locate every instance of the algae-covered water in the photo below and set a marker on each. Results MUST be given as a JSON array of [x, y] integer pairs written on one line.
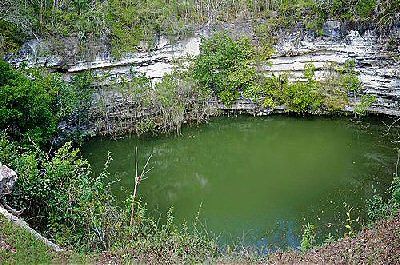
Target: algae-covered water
[[258, 180]]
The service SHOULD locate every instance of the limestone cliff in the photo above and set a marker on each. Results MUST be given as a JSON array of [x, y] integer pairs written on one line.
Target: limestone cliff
[[377, 58]]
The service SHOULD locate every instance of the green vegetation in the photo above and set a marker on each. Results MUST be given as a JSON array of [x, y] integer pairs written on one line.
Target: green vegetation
[[34, 102], [303, 96], [18, 246], [28, 107], [380, 207], [162, 107], [308, 240], [58, 193], [225, 66], [11, 37], [74, 207], [136, 24], [366, 102]]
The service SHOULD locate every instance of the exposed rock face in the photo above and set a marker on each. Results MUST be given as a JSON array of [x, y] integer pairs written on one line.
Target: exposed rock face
[[8, 177], [154, 64], [377, 59]]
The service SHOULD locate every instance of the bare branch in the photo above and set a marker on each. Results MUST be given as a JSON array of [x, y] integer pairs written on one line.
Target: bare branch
[[397, 163], [138, 180], [390, 126]]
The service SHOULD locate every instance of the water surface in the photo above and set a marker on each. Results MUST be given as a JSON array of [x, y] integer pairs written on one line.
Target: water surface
[[258, 180]]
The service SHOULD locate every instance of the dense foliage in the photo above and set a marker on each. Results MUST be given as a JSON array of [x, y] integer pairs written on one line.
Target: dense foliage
[[127, 23], [33, 102], [28, 103], [225, 66]]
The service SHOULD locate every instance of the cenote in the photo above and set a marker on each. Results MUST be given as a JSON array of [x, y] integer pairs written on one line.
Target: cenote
[[257, 181]]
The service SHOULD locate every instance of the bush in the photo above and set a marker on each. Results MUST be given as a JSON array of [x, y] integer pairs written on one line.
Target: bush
[[160, 107], [60, 194], [27, 104], [366, 102], [298, 96], [225, 66], [303, 96], [379, 208], [179, 99], [33, 102]]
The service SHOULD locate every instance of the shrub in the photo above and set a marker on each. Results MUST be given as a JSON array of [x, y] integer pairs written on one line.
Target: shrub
[[160, 107], [303, 96], [379, 208], [366, 102], [27, 104], [225, 66], [297, 96], [33, 102], [60, 194], [349, 77], [300, 97]]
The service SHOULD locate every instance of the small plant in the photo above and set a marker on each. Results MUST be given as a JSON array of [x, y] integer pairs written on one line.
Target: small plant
[[377, 208], [308, 239], [304, 96], [350, 222], [329, 239], [366, 102]]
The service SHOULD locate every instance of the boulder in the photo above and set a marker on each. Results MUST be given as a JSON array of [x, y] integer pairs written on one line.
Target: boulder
[[8, 177]]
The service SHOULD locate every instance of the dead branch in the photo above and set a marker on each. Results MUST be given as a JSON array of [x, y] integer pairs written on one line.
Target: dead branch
[[390, 126], [138, 180], [397, 163]]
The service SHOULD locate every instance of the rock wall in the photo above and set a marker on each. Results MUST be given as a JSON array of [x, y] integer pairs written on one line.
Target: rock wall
[[377, 58]]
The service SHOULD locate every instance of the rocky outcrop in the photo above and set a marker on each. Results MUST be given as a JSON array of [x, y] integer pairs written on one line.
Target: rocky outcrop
[[8, 177], [154, 64], [377, 58]]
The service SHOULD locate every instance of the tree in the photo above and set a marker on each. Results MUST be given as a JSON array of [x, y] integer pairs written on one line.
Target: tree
[[225, 66]]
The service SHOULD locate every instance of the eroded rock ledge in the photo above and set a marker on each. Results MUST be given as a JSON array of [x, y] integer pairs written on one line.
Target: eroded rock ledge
[[377, 58]]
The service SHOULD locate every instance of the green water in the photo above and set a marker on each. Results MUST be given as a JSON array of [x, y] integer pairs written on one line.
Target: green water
[[258, 180]]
